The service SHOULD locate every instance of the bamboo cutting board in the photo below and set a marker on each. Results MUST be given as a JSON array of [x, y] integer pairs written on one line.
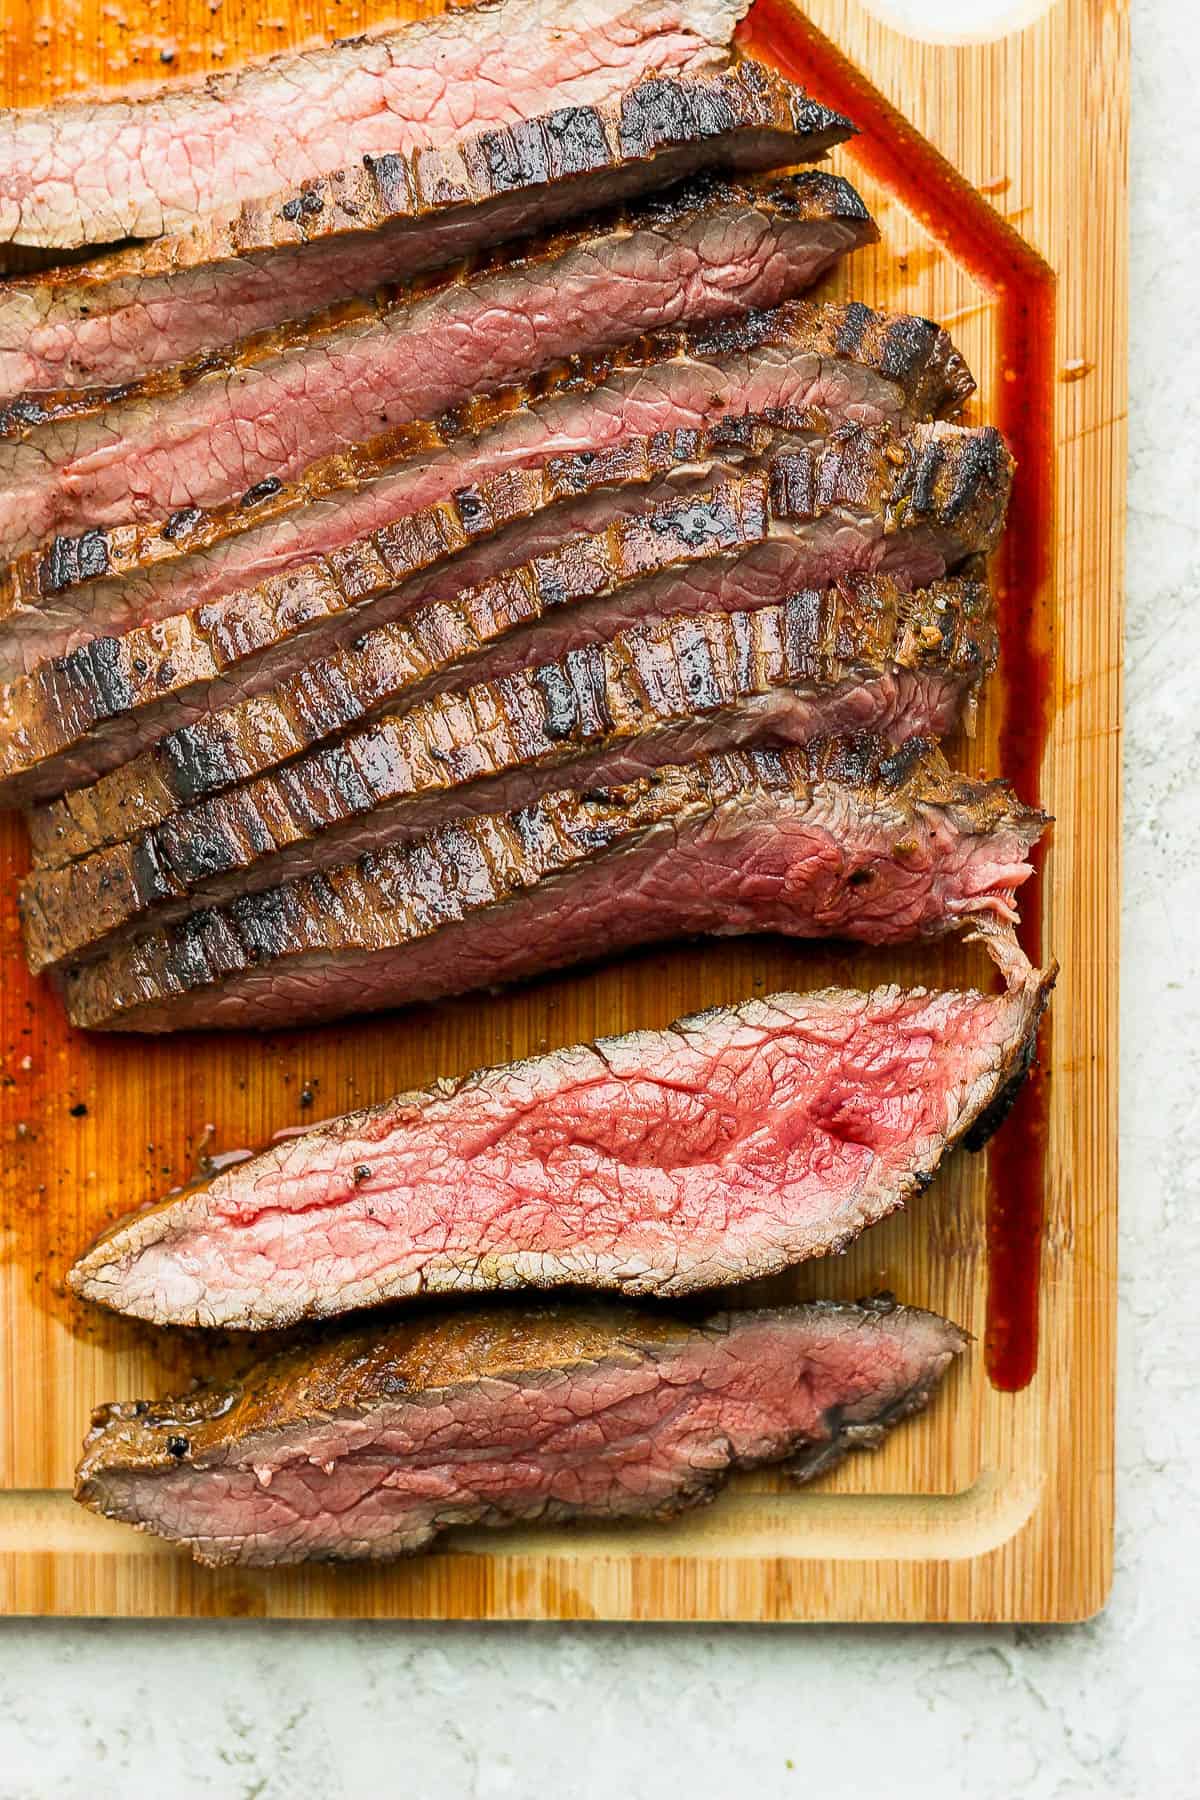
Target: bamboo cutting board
[[997, 174]]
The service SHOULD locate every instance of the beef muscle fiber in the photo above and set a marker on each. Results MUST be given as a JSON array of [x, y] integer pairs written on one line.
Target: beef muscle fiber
[[730, 1146], [390, 218], [859, 501], [377, 1439], [832, 839], [202, 434], [862, 659], [854, 365], [93, 171]]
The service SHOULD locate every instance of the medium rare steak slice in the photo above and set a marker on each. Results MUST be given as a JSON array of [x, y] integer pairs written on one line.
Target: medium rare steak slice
[[853, 364], [203, 435], [378, 1439], [93, 171], [835, 839], [860, 501], [728, 1147], [825, 661], [388, 219]]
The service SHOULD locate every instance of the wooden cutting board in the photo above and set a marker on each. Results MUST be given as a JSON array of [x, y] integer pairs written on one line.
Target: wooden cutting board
[[997, 174]]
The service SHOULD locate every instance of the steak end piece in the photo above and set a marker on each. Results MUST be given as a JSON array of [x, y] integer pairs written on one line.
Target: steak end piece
[[729, 1146], [376, 1441], [837, 838]]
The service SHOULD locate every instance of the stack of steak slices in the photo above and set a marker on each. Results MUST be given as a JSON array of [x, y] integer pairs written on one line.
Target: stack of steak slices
[[447, 545]]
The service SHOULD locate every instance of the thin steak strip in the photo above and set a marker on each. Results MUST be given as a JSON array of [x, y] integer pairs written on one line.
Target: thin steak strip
[[870, 628], [853, 364], [730, 1146], [93, 171], [203, 434], [826, 661], [835, 839], [379, 1439], [859, 501], [392, 217], [541, 515]]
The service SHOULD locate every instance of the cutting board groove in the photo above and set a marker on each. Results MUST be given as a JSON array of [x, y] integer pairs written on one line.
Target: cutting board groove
[[994, 1505]]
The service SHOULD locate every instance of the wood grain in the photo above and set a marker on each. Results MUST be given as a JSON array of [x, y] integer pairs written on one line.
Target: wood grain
[[993, 1506]]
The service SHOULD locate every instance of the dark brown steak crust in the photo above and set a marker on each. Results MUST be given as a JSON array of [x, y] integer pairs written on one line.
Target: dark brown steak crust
[[868, 622], [387, 219], [728, 1147], [91, 170], [834, 839], [862, 499], [867, 658], [853, 364], [202, 433], [377, 1439]]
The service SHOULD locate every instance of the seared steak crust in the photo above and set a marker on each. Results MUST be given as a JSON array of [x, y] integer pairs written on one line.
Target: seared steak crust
[[725, 1148], [826, 660], [831, 839], [93, 171], [387, 219], [828, 636], [374, 1441], [812, 195], [855, 364], [204, 432], [925, 502]]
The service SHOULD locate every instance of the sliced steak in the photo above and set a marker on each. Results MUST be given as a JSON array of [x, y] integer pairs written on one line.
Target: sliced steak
[[826, 661], [833, 639], [728, 1147], [853, 364], [380, 1438], [93, 171], [859, 501], [203, 434], [834, 839], [390, 218]]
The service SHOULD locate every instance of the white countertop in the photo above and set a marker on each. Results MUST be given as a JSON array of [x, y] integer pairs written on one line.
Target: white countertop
[[1104, 1710]]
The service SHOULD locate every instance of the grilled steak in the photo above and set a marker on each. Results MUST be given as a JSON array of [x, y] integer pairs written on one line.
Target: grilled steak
[[667, 691], [859, 501], [388, 219], [728, 1147], [377, 1440], [260, 412], [832, 839], [866, 628], [851, 363], [85, 172]]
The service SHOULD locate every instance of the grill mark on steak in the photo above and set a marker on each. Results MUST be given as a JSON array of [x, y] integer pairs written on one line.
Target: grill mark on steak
[[726, 1148], [869, 658], [111, 581], [851, 491], [88, 171], [200, 434], [376, 1440], [765, 840], [112, 319]]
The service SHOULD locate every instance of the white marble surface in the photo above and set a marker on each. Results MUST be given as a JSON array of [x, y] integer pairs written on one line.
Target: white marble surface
[[1106, 1711]]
